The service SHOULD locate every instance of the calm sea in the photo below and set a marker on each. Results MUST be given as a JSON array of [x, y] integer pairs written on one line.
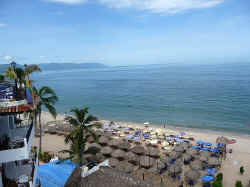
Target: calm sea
[[215, 97]]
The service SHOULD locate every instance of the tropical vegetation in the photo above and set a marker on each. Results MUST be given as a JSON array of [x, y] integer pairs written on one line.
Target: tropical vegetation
[[83, 126], [48, 99]]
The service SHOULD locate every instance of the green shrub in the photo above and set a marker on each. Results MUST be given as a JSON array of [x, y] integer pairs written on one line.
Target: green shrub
[[45, 156], [242, 170], [219, 177], [238, 184], [217, 183]]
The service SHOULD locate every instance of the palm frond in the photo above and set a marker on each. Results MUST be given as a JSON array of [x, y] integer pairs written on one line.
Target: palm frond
[[51, 109], [10, 73], [90, 119], [72, 121], [32, 68]]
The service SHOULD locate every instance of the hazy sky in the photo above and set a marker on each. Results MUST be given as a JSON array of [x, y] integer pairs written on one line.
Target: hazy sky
[[122, 32]]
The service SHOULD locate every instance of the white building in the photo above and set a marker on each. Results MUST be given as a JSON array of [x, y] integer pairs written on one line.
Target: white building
[[18, 160]]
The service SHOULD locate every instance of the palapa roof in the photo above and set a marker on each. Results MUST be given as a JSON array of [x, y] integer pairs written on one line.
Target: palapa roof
[[125, 166], [106, 150], [138, 149], [175, 169], [146, 161], [103, 140], [213, 161], [153, 152], [193, 175], [187, 157], [196, 165], [118, 153], [179, 148], [131, 157], [222, 140], [125, 145], [106, 177], [113, 162], [114, 143]]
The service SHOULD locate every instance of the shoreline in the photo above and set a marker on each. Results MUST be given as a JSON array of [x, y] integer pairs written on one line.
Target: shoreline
[[230, 167], [47, 117]]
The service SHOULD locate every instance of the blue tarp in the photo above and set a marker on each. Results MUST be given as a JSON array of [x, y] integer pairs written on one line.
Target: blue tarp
[[55, 175], [29, 96], [199, 142], [207, 178], [196, 147], [211, 171]]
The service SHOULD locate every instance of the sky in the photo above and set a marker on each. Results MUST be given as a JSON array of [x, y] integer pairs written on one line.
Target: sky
[[125, 32]]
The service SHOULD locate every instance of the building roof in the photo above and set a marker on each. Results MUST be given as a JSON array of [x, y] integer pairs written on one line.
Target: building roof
[[105, 177]]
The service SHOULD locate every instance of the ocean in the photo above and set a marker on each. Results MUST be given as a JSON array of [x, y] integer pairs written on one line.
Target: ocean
[[212, 97]]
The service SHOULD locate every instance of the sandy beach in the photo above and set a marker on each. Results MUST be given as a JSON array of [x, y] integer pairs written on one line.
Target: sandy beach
[[230, 167]]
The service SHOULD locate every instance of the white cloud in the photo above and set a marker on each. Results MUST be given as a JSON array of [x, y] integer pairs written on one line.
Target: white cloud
[[70, 2], [3, 25], [162, 6], [7, 58]]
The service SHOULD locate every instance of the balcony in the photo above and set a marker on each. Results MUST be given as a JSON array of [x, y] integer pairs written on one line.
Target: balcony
[[18, 148], [21, 173], [16, 100]]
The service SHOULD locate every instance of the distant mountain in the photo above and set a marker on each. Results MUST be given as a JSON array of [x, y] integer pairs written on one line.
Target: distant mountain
[[60, 66], [68, 66]]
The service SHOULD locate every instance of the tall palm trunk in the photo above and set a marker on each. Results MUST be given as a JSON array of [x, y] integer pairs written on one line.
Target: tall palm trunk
[[40, 126]]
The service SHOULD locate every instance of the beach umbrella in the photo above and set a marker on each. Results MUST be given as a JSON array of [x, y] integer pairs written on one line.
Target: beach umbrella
[[174, 154], [179, 149], [174, 169], [222, 140], [125, 166], [196, 165], [207, 178], [205, 149], [185, 146], [205, 153], [125, 145], [203, 158], [160, 165], [103, 140], [200, 143], [132, 158], [192, 151], [94, 147], [207, 143], [118, 154], [193, 175], [211, 171], [213, 161], [182, 133], [95, 157], [187, 158], [146, 161], [153, 152], [138, 149], [165, 159], [113, 162], [114, 143], [179, 161], [106, 150]]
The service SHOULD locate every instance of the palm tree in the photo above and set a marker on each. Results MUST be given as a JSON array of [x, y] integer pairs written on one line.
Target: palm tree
[[82, 128], [48, 99], [21, 77], [22, 74], [2, 78]]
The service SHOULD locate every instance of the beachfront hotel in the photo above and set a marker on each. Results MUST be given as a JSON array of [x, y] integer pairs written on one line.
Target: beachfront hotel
[[18, 159]]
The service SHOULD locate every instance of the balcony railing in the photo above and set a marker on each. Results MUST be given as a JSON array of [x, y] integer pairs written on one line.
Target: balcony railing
[[19, 149], [22, 173]]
